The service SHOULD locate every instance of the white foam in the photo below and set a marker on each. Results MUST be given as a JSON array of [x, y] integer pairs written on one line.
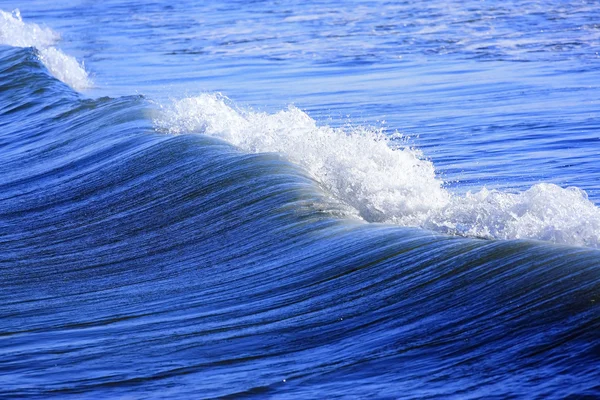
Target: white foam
[[15, 32], [544, 212], [357, 166], [65, 68]]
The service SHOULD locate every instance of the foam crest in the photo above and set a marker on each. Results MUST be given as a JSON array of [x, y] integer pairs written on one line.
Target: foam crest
[[357, 166], [544, 212], [65, 68], [14, 32]]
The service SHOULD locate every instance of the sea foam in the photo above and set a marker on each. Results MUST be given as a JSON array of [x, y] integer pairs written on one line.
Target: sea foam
[[358, 167], [15, 32]]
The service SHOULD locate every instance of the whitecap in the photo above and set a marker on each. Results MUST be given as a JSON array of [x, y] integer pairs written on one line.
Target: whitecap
[[357, 166], [14, 32]]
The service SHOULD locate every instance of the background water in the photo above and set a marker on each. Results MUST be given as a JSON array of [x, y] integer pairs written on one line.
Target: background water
[[497, 94], [163, 240]]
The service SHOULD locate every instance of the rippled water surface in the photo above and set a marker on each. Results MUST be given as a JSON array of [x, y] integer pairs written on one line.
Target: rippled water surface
[[499, 93], [315, 199]]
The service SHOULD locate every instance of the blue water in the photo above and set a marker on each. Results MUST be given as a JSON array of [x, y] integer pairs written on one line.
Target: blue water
[[299, 200]]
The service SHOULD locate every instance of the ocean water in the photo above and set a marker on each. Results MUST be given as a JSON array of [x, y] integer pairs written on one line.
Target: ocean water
[[316, 199]]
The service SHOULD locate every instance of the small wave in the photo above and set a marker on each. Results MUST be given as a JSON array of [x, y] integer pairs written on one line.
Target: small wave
[[14, 32], [357, 166]]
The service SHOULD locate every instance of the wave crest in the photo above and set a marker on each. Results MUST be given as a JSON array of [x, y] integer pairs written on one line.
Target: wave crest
[[357, 166], [16, 33]]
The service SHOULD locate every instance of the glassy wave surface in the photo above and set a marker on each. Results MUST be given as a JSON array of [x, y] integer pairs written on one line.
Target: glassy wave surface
[[168, 244]]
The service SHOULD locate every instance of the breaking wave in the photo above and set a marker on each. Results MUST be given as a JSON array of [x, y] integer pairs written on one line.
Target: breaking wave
[[14, 32], [383, 184]]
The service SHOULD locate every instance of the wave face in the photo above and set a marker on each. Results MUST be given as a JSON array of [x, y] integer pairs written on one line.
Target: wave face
[[142, 264]]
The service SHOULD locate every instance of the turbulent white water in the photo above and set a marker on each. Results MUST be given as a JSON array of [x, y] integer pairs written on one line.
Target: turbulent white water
[[355, 165], [389, 185], [14, 32]]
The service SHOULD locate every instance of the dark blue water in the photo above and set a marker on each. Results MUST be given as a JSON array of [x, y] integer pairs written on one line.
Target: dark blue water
[[299, 200]]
